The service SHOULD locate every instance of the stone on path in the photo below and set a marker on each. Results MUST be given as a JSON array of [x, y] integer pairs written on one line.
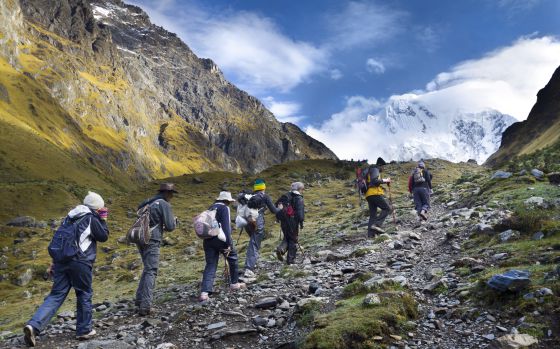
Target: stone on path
[[266, 303], [514, 341]]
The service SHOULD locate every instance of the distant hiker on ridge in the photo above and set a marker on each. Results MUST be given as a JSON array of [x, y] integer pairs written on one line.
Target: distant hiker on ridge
[[161, 218], [213, 247], [420, 185], [73, 250], [260, 200], [376, 199], [291, 218]]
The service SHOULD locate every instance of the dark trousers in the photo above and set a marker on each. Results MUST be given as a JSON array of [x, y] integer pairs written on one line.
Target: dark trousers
[[421, 198], [72, 274], [213, 247], [290, 230], [374, 202], [150, 259]]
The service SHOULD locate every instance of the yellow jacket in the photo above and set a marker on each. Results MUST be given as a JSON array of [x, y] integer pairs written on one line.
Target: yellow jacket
[[375, 189]]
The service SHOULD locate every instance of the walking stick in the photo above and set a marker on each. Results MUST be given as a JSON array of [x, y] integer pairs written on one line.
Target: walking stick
[[392, 206], [227, 277], [239, 237]]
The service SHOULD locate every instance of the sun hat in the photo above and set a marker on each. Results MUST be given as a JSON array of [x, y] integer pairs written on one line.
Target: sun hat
[[225, 196]]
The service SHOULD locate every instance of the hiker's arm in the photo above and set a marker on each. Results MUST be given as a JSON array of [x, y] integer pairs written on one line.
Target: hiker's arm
[[99, 229], [167, 216], [300, 210], [270, 205], [223, 217]]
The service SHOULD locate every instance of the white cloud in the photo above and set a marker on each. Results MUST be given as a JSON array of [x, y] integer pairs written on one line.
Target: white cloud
[[363, 23], [506, 80], [375, 66], [429, 38], [248, 47], [336, 74], [284, 111]]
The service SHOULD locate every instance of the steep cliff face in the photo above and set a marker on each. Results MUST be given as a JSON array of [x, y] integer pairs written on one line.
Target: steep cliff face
[[540, 130], [129, 98]]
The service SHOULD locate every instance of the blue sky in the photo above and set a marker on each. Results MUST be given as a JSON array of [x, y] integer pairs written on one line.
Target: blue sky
[[311, 60]]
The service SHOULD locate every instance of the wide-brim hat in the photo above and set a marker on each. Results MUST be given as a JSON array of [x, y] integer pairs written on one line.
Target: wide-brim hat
[[167, 187], [225, 196]]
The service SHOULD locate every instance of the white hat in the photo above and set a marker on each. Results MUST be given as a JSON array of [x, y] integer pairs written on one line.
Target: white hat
[[225, 196], [94, 201]]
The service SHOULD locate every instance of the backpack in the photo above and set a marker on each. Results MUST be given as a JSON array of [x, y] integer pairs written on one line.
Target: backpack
[[362, 178], [140, 232], [245, 215], [205, 224], [256, 202], [288, 209], [418, 175], [64, 244]]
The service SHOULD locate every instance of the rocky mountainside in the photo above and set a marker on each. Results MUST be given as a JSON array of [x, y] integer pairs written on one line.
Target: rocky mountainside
[[409, 129], [540, 130], [421, 285], [97, 81]]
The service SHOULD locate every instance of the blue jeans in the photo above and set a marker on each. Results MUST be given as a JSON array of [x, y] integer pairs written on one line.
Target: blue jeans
[[421, 198], [74, 274], [150, 259], [213, 247], [253, 248]]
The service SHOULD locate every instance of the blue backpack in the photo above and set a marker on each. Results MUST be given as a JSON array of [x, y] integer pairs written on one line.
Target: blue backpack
[[64, 244]]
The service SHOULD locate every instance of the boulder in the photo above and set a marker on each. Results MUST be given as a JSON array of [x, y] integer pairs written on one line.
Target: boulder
[[23, 221], [512, 280], [266, 303], [537, 173], [509, 235], [554, 178], [514, 341], [372, 299], [501, 175], [23, 278], [536, 201]]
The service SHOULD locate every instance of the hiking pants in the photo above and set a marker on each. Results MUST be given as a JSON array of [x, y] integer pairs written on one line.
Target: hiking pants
[[150, 258], [421, 198], [74, 274], [290, 231], [374, 202], [213, 247], [255, 238]]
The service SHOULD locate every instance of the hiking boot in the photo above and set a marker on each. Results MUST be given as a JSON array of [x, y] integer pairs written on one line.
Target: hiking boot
[[204, 297], [144, 311], [279, 255], [371, 233], [85, 337], [237, 286], [29, 336], [423, 215]]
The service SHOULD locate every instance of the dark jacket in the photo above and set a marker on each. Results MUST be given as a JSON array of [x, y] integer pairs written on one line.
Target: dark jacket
[[161, 216], [299, 206], [224, 218], [267, 203], [91, 229]]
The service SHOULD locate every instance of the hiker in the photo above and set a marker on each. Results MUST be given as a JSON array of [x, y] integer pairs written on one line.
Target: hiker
[[420, 185], [214, 246], [87, 225], [291, 218], [161, 219], [376, 199], [261, 201]]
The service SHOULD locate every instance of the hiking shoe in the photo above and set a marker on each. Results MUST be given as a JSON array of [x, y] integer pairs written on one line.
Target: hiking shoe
[[279, 255], [204, 297], [144, 311], [249, 273], [423, 215], [29, 336], [85, 337], [237, 286]]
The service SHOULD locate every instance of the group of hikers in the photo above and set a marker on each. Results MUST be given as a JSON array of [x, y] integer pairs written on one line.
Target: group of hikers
[[74, 244]]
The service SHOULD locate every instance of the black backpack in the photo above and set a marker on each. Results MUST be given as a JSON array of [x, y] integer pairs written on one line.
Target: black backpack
[[289, 207], [256, 201]]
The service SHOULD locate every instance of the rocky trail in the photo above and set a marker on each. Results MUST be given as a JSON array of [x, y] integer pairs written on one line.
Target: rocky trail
[[422, 258]]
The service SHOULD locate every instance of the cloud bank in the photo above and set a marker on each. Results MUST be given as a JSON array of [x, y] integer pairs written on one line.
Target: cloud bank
[[506, 80]]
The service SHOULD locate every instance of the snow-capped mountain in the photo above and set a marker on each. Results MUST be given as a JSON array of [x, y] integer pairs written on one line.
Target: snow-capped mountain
[[411, 129]]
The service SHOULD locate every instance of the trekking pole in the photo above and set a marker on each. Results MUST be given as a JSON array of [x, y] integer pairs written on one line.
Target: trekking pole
[[239, 237], [392, 206], [227, 278]]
